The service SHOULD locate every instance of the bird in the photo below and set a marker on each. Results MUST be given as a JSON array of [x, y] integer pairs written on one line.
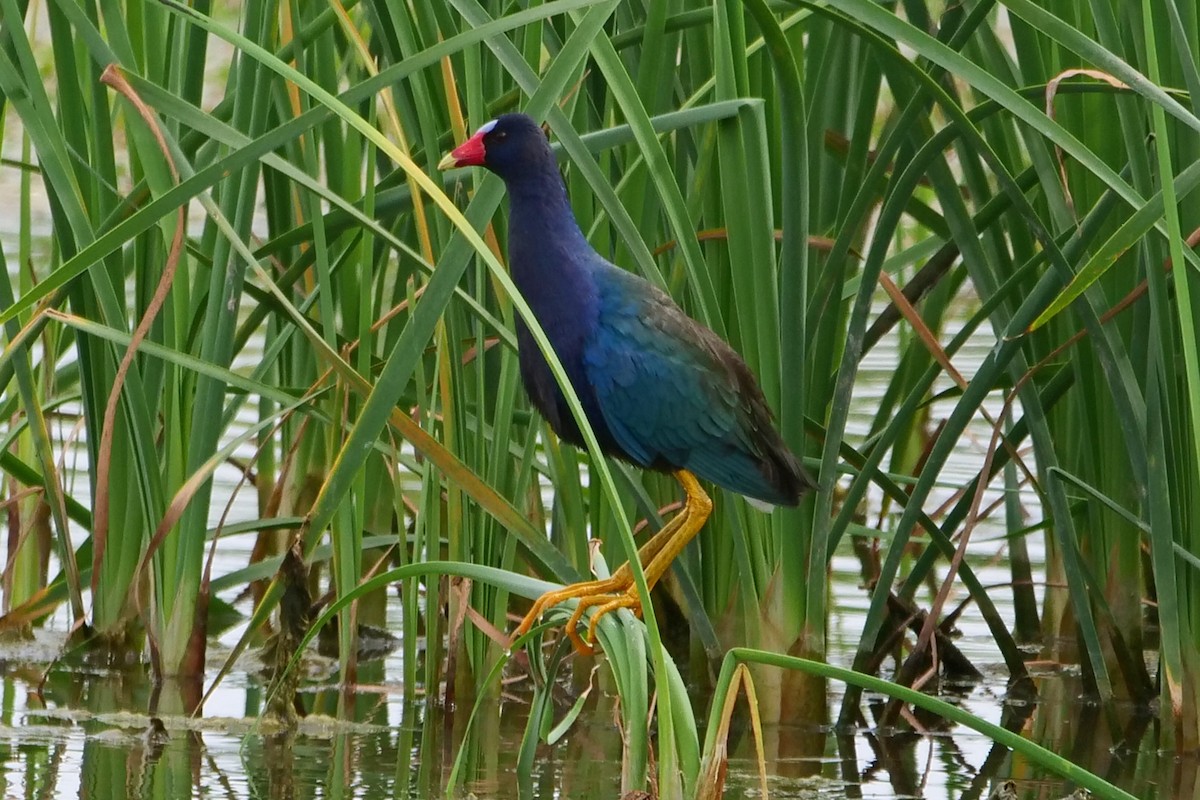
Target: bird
[[660, 390]]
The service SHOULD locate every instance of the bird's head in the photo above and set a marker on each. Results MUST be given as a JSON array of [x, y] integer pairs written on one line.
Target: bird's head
[[508, 145]]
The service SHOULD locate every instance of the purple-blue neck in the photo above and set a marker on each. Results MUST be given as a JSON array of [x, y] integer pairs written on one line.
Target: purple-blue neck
[[548, 254]]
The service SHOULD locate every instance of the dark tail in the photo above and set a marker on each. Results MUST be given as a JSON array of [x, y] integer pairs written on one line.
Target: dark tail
[[785, 475]]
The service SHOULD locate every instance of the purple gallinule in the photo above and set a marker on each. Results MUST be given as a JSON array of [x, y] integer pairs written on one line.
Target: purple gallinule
[[659, 389]]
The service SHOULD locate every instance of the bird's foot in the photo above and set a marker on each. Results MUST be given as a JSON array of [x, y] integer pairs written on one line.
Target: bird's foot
[[604, 604], [610, 594], [619, 591]]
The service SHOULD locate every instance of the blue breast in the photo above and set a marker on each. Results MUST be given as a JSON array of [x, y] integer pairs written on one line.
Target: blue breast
[[551, 264]]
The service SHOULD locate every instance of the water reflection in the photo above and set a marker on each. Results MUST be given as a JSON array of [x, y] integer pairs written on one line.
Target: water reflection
[[89, 735]]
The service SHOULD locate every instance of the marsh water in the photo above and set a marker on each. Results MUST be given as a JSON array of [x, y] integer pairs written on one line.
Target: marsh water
[[89, 734], [69, 730]]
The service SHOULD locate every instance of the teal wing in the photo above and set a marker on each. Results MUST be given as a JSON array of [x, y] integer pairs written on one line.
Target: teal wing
[[674, 395]]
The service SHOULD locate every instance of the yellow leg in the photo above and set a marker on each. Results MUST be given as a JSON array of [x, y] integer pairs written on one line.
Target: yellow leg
[[619, 591], [619, 579]]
